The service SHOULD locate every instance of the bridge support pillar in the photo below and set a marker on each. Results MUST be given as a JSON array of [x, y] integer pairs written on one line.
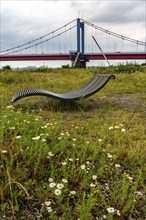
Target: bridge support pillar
[[81, 62]]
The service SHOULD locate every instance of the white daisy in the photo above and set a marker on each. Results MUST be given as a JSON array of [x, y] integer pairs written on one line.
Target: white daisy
[[110, 210], [60, 185], [57, 192], [52, 185], [83, 167], [94, 177]]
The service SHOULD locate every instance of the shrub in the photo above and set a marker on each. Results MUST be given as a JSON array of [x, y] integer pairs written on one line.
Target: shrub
[[7, 68], [65, 66]]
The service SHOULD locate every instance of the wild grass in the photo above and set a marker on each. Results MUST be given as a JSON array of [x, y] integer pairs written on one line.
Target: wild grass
[[78, 160]]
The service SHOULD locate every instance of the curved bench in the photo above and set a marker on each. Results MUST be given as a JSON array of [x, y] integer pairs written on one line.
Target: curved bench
[[94, 85]]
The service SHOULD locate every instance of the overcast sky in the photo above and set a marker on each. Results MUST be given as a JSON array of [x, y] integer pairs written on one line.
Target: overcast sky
[[25, 20]]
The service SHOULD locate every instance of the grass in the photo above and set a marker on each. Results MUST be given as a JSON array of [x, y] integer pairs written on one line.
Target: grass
[[78, 160]]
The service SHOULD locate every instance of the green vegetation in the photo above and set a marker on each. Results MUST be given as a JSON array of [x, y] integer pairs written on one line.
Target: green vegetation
[[7, 68], [77, 160]]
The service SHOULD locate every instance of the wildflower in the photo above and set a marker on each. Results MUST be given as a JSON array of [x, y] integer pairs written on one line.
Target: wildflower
[[11, 128], [118, 213], [125, 174], [87, 142], [52, 184], [50, 154], [36, 138], [67, 133], [45, 126], [74, 139], [99, 140], [70, 159], [64, 180], [130, 178], [123, 130], [72, 192], [18, 137], [49, 209], [116, 126], [41, 134], [4, 151], [47, 203], [94, 177], [87, 162], [138, 193], [83, 167], [63, 163], [10, 106], [57, 192], [104, 216], [109, 155], [50, 180], [110, 128], [92, 185], [110, 210], [117, 165], [60, 185], [43, 140]]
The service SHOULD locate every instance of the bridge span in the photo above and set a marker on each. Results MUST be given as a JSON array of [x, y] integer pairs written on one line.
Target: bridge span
[[87, 56], [78, 57]]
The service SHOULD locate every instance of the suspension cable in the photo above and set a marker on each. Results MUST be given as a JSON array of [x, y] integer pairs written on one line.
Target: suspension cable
[[42, 41], [115, 34], [40, 38]]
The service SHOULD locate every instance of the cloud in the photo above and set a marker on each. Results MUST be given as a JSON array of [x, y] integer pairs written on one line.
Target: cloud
[[111, 11], [23, 21], [123, 17], [123, 12]]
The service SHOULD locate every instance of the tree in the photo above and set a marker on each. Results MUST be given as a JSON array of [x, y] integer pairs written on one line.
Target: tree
[[7, 67]]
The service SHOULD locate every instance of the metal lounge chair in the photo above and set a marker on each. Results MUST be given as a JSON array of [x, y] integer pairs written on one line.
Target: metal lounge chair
[[94, 85]]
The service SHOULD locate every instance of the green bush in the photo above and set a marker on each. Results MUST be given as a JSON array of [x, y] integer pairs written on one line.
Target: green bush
[[7, 68], [65, 66], [143, 64]]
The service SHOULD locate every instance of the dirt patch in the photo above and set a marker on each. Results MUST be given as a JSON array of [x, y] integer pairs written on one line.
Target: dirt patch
[[131, 101]]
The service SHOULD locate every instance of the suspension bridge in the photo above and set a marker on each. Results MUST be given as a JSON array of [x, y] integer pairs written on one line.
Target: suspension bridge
[[74, 41]]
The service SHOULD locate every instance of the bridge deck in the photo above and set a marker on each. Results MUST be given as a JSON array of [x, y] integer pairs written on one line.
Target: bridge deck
[[97, 56]]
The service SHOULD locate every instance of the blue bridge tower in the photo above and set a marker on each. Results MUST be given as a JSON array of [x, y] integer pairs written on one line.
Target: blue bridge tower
[[77, 57]]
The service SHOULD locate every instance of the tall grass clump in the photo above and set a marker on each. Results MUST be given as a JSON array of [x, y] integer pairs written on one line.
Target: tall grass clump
[[78, 160]]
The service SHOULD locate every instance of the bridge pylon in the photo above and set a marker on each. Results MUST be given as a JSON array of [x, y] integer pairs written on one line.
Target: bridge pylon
[[77, 57]]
